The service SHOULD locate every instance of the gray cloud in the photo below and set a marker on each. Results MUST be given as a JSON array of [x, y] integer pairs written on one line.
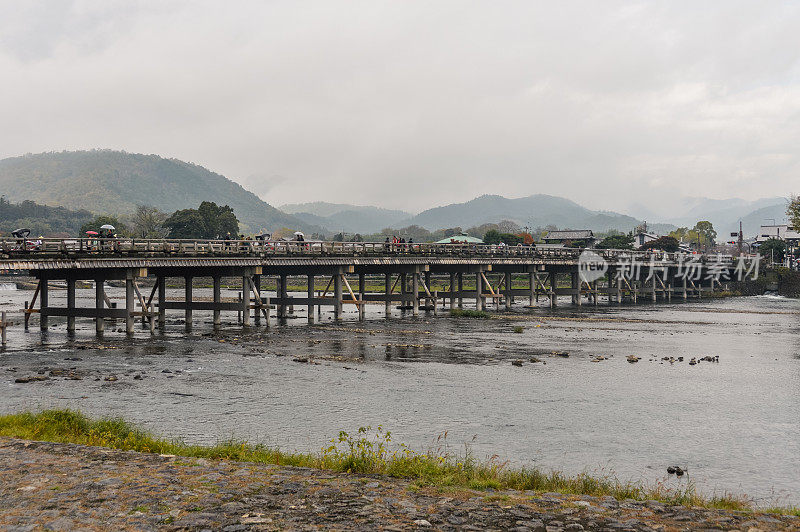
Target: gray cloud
[[412, 104]]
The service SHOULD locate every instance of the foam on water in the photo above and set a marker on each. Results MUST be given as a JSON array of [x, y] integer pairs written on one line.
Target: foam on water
[[8, 286]]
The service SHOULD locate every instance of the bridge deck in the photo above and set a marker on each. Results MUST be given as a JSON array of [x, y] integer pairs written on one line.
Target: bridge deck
[[493, 273]]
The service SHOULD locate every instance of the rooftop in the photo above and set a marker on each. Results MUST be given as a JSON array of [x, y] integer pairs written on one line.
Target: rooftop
[[581, 234]]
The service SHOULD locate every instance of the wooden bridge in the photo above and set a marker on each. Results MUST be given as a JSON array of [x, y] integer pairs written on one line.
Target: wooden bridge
[[480, 274]]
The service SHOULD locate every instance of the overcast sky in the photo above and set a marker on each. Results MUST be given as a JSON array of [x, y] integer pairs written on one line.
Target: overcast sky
[[414, 104]]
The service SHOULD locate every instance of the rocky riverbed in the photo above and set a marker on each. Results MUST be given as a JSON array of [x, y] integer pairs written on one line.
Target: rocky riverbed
[[66, 487]]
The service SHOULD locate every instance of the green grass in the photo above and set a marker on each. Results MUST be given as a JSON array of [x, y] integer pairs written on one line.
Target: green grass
[[519, 329], [365, 452], [464, 313]]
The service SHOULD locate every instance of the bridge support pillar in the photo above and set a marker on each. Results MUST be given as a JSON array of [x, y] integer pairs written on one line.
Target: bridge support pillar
[[575, 284], [533, 297], [337, 295], [99, 303], [217, 297], [479, 301], [246, 300], [685, 294], [553, 289], [187, 313], [43, 302], [509, 297], [361, 290], [282, 292], [162, 298], [257, 312], [129, 303], [403, 290], [387, 282], [460, 289], [310, 294], [428, 286], [70, 304], [415, 292], [452, 289]]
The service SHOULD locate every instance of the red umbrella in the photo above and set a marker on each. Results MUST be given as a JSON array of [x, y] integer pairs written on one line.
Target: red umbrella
[[92, 233]]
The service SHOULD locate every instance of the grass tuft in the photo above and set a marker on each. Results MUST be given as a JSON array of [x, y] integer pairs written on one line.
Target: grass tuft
[[365, 452]]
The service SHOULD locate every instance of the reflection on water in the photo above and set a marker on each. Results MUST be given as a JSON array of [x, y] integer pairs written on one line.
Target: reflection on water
[[734, 425]]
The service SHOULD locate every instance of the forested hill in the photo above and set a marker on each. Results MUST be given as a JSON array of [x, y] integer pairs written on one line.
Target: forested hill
[[114, 182], [40, 219]]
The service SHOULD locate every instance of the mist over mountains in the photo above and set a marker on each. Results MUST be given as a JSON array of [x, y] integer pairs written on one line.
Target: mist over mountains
[[114, 182]]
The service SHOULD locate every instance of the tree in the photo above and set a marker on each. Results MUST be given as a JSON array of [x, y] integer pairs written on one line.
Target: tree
[[665, 243], [707, 233], [526, 238], [101, 220], [793, 212], [148, 222], [207, 221], [185, 223], [493, 236], [773, 249], [617, 242], [679, 234]]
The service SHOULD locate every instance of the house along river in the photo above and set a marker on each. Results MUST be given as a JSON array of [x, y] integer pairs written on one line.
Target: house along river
[[734, 425]]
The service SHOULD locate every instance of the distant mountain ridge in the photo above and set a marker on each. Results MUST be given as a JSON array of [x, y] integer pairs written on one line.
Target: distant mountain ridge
[[338, 217], [725, 214], [107, 181], [538, 210]]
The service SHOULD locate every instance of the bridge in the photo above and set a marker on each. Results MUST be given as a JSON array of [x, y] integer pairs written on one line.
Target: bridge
[[478, 274]]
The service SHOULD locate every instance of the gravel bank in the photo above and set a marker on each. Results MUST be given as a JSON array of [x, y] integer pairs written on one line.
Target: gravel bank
[[67, 487]]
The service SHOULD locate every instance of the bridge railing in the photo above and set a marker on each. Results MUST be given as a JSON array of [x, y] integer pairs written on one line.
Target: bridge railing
[[113, 247]]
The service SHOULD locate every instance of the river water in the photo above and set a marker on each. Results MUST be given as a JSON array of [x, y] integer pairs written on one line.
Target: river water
[[734, 424]]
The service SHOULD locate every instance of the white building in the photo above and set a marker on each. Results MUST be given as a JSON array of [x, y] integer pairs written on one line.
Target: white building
[[781, 232]]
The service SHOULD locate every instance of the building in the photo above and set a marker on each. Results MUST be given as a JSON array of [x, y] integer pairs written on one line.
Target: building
[[459, 239], [781, 232], [643, 237], [578, 238]]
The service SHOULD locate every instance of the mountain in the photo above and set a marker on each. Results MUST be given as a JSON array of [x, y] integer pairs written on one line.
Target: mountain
[[725, 214], [538, 210], [114, 182], [338, 217]]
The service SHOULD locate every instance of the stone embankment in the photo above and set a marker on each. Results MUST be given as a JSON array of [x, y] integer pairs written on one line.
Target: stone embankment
[[66, 487]]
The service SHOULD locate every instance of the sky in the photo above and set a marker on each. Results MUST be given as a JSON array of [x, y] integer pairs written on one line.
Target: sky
[[410, 104]]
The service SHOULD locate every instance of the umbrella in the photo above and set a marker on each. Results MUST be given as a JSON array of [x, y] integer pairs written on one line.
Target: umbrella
[[298, 233], [109, 227], [22, 232], [93, 233]]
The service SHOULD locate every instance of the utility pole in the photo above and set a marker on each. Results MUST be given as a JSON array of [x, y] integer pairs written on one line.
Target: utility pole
[[741, 239]]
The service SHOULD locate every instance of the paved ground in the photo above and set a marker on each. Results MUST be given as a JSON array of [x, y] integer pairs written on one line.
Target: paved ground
[[69, 487]]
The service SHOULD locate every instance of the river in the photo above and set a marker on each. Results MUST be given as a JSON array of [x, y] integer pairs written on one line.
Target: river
[[733, 424]]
